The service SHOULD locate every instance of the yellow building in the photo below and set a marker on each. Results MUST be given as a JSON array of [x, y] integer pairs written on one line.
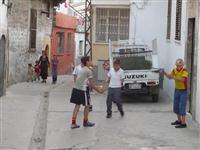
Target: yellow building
[[110, 21]]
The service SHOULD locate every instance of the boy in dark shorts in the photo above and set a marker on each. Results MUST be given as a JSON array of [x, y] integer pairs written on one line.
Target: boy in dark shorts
[[79, 95]]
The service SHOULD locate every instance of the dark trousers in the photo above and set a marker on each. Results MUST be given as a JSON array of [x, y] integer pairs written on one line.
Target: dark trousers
[[114, 95], [54, 75]]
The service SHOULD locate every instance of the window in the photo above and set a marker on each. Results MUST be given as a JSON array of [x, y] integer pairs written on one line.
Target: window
[[69, 42], [3, 1], [169, 19], [112, 24], [48, 9], [178, 19], [60, 47], [80, 48], [33, 29]]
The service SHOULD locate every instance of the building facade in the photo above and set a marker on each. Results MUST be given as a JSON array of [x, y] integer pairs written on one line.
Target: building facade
[[110, 21], [63, 43], [175, 29], [3, 45], [170, 28], [181, 41], [29, 29], [76, 9]]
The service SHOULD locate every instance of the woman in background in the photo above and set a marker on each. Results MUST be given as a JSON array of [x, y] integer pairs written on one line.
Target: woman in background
[[44, 64]]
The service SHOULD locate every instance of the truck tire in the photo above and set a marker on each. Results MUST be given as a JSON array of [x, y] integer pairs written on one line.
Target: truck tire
[[155, 98]]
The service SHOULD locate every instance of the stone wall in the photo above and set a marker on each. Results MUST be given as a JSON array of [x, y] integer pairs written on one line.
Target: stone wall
[[19, 33], [3, 46]]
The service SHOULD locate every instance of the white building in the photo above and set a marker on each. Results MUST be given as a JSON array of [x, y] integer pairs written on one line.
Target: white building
[[174, 24], [169, 26], [3, 45]]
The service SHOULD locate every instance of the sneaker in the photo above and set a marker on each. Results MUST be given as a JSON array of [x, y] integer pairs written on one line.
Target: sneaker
[[176, 122], [181, 126], [88, 124], [109, 116], [74, 126]]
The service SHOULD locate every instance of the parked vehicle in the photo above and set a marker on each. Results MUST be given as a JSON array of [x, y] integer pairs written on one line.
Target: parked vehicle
[[138, 63]]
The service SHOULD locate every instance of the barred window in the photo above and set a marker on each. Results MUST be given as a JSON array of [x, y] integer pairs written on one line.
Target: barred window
[[178, 19], [112, 23], [169, 19], [33, 29]]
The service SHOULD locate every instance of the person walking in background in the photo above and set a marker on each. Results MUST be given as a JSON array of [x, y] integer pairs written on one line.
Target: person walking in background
[[54, 67], [180, 76], [79, 95], [37, 70], [44, 64], [115, 79]]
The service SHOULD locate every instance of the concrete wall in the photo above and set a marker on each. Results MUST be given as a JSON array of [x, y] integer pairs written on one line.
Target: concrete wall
[[146, 25], [3, 32], [198, 71], [198, 80], [79, 36], [192, 12], [173, 49], [18, 26], [110, 2]]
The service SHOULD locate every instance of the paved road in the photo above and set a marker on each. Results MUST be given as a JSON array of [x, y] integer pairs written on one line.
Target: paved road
[[146, 125]]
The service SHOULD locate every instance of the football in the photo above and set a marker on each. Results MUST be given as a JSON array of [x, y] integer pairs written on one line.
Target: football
[[101, 88]]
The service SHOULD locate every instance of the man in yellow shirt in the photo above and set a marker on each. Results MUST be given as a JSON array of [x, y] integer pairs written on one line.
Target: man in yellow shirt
[[180, 76]]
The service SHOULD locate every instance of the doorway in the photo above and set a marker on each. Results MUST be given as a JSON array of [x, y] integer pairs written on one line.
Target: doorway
[[47, 50], [190, 62], [2, 63]]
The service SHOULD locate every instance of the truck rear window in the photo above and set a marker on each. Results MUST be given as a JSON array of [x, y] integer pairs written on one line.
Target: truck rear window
[[135, 63]]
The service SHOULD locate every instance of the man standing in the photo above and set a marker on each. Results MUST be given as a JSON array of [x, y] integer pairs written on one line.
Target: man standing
[[180, 76], [115, 79], [79, 95]]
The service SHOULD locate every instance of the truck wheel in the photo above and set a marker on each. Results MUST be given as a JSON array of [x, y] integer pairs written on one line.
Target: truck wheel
[[155, 98]]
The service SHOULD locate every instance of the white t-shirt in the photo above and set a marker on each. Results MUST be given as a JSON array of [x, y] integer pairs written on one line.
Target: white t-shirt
[[77, 70], [116, 78]]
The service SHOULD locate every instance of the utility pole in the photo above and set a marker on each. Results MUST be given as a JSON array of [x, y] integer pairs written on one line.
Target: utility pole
[[88, 28]]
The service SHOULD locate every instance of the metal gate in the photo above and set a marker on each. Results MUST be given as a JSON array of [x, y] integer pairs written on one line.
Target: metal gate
[[2, 62]]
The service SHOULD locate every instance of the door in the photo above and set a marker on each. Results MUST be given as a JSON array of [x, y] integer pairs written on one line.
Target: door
[[2, 62], [190, 60]]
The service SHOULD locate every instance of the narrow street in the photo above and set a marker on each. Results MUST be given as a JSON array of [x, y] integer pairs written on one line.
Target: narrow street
[[43, 122]]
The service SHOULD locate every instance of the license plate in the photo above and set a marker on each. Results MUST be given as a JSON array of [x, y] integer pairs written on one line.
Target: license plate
[[134, 86]]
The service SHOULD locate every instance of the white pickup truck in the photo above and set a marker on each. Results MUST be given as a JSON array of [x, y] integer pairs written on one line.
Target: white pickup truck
[[138, 63]]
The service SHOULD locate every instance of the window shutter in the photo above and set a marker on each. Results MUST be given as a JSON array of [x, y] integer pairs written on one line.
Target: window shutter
[[33, 29], [169, 19], [178, 19]]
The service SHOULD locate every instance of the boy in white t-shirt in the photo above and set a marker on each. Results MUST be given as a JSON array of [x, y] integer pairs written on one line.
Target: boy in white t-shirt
[[115, 79]]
